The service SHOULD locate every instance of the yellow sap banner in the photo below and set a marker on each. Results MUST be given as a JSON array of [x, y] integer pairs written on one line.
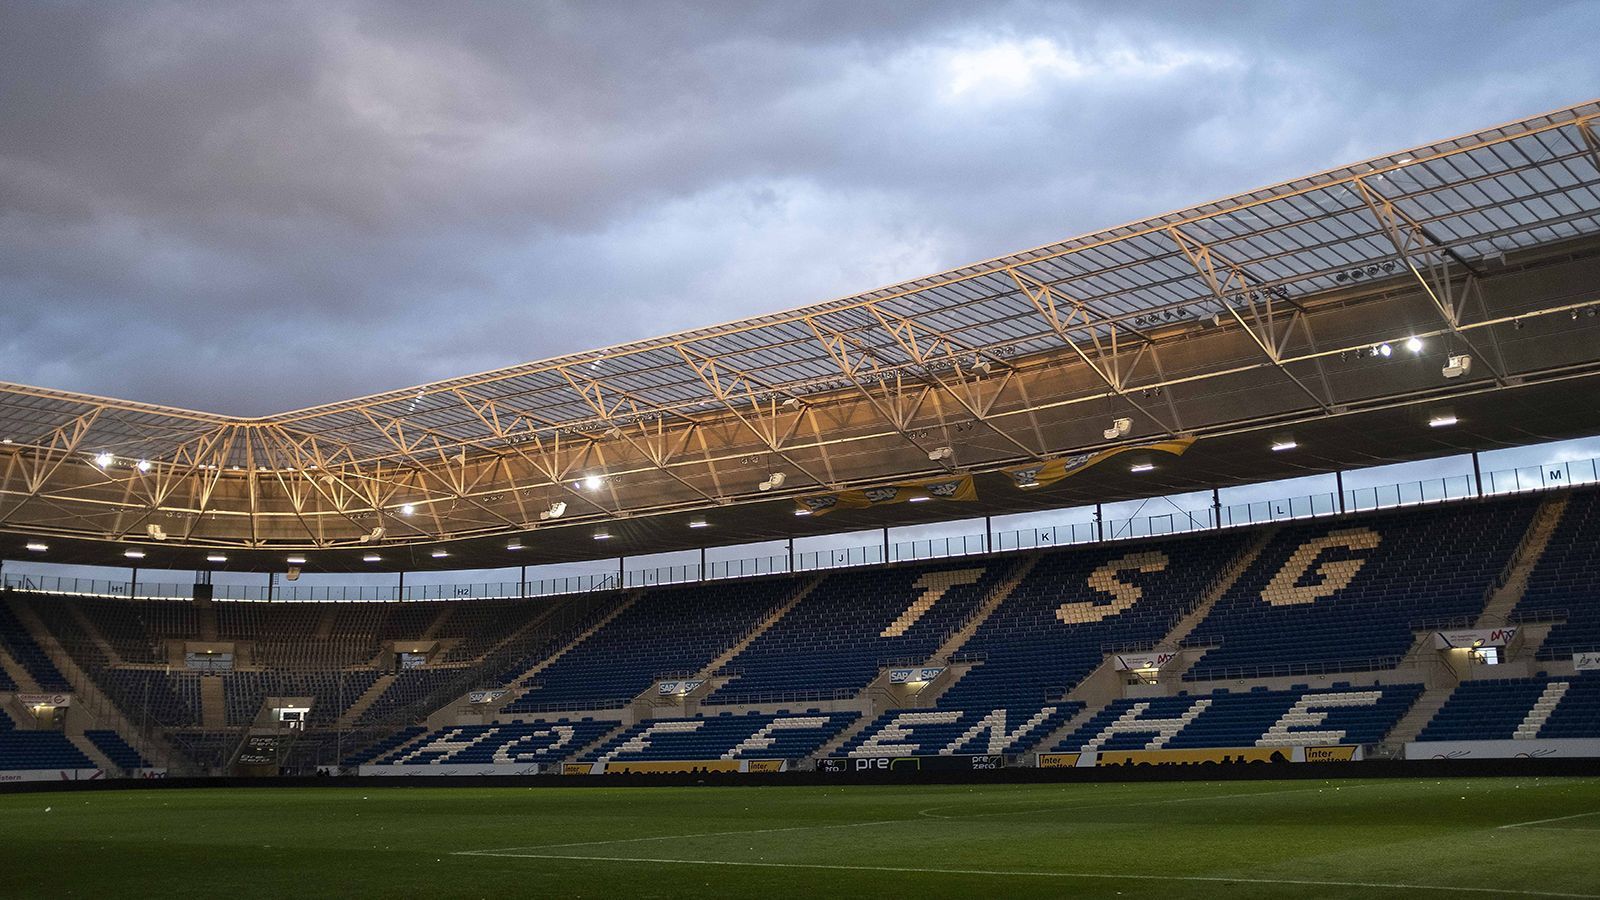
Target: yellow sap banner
[[1194, 757], [955, 487], [1330, 754], [1050, 471], [1058, 760]]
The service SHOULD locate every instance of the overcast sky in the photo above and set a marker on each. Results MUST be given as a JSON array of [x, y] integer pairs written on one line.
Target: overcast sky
[[251, 208]]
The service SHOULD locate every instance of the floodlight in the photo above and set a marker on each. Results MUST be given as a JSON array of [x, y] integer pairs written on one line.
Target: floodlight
[[1457, 366]]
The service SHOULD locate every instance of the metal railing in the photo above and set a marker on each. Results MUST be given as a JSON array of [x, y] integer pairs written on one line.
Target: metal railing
[[1451, 488]]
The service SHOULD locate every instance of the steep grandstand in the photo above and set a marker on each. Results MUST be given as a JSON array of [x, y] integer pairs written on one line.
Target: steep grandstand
[[1321, 633]]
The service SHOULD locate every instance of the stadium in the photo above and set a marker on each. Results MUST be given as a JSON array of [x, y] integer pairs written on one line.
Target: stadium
[[1377, 686]]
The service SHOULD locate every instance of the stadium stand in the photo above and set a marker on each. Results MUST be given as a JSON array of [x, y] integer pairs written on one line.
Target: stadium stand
[[1072, 607], [330, 692], [725, 736], [37, 749], [1348, 595], [381, 747], [1519, 709], [116, 749], [409, 688], [1565, 584], [667, 632], [1255, 718], [517, 743], [945, 732], [846, 629], [28, 654], [1018, 634]]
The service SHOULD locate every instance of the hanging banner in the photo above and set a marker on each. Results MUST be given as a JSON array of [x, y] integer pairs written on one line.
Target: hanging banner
[[955, 487], [1040, 474]]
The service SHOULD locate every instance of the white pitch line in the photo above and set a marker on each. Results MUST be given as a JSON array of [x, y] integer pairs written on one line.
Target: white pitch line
[[1543, 821], [1046, 805], [676, 837], [1111, 876]]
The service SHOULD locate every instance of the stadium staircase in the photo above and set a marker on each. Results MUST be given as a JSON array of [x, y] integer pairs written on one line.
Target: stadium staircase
[[838, 742], [88, 748], [86, 693], [19, 676], [1174, 640], [1415, 719], [213, 702], [962, 633], [1514, 582], [595, 745], [352, 713], [709, 671], [109, 652], [519, 685]]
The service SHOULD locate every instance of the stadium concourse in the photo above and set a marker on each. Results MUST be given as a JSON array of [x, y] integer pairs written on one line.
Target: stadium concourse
[[1428, 304]]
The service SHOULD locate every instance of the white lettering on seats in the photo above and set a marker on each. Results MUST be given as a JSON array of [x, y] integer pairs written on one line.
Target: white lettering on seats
[[555, 737], [1309, 712], [763, 738], [641, 741], [898, 730], [933, 585], [999, 738], [1335, 575], [1105, 580], [1130, 723], [446, 742]]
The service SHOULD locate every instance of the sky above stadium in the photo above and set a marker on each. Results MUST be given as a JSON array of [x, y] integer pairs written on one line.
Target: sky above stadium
[[248, 209]]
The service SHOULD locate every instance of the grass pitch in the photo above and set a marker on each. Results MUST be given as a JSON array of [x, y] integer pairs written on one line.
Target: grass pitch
[[1347, 838]]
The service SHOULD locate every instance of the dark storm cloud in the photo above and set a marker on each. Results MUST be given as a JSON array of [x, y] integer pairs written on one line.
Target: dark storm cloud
[[250, 208]]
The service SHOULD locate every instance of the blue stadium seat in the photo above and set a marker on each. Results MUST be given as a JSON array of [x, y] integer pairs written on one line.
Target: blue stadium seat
[[1519, 708], [1566, 581], [1249, 719], [1347, 595], [750, 736]]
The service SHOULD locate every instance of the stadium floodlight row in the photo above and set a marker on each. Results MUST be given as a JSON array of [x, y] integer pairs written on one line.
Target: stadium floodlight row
[[1471, 261], [1463, 629]]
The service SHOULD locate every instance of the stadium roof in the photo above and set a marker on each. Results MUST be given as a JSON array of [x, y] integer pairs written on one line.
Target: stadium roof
[[1231, 317]]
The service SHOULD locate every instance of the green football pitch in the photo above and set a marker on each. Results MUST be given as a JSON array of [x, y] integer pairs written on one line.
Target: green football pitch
[[1346, 838]]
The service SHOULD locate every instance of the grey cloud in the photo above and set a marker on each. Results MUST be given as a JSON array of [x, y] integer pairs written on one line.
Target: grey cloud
[[250, 208]]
